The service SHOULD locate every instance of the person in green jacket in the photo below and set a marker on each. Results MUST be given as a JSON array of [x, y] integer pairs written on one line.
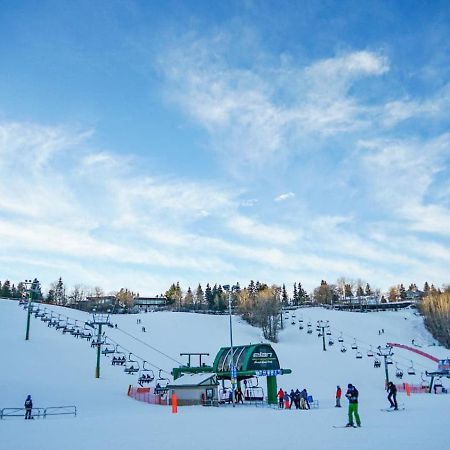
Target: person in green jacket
[[352, 395]]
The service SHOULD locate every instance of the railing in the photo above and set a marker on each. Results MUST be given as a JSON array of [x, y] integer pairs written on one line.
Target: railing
[[39, 412]]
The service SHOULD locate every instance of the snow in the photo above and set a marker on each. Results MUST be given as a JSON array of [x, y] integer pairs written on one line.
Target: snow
[[57, 369]]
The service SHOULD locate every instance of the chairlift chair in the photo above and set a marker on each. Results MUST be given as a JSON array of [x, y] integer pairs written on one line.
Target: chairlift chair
[[354, 345], [309, 324], [343, 348], [389, 360], [145, 375], [376, 363], [359, 355], [340, 339], [411, 370], [161, 383], [328, 333], [293, 322], [398, 371], [132, 366], [108, 349], [119, 357], [253, 392], [330, 342], [61, 324], [370, 352], [309, 330], [300, 327]]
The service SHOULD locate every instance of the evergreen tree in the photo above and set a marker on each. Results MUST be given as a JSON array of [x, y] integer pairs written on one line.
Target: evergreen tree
[[50, 296], [284, 296], [59, 292], [368, 290], [6, 289], [348, 291], [402, 292], [295, 295], [301, 294], [21, 290], [426, 288], [209, 297], [199, 297], [360, 291]]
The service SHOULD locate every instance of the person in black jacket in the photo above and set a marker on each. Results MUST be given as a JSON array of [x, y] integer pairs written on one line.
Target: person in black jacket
[[392, 397], [28, 407]]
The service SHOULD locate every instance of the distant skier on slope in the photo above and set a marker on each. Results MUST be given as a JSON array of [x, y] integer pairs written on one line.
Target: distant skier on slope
[[352, 395], [28, 407], [392, 397], [338, 396], [280, 396]]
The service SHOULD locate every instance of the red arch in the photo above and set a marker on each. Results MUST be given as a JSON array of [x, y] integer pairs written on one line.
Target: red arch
[[412, 349]]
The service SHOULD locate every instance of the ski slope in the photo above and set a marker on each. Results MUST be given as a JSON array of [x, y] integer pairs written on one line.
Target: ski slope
[[57, 369]]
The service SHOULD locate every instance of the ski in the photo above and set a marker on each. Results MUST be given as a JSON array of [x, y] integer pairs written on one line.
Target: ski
[[400, 408], [344, 426]]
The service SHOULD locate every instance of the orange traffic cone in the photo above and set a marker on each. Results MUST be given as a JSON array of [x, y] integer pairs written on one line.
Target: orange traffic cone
[[174, 403]]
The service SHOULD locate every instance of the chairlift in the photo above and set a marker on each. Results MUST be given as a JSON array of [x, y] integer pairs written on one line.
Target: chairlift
[[301, 319], [161, 384], [328, 333], [253, 392], [61, 324], [309, 324], [358, 355], [46, 318], [370, 352], [119, 357], [109, 349], [343, 348], [389, 360], [293, 322], [340, 339], [300, 327], [411, 370], [354, 345], [132, 366], [145, 375], [398, 371], [86, 333], [376, 363], [330, 342], [309, 330]]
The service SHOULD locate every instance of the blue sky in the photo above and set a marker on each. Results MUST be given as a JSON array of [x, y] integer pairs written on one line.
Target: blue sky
[[147, 142]]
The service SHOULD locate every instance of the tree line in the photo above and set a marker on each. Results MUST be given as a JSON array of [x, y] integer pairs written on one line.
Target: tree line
[[435, 308]]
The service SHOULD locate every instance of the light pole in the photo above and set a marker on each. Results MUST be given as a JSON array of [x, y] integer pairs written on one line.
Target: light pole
[[323, 325], [233, 371]]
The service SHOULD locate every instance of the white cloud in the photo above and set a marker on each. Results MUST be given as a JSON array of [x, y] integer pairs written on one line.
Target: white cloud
[[283, 197]]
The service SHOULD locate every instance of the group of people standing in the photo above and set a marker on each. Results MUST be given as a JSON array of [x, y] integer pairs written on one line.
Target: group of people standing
[[297, 398]]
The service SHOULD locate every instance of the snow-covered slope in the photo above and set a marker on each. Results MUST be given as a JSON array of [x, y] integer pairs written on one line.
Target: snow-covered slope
[[57, 369]]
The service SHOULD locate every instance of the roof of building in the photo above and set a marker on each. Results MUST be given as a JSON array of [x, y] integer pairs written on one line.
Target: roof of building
[[196, 379]]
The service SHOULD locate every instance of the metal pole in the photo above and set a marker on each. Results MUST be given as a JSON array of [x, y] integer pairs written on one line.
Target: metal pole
[[386, 369], [232, 349], [97, 369], [27, 335], [323, 337]]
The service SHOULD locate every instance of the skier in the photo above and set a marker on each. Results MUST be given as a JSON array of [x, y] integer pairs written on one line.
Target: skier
[[28, 407], [280, 398], [392, 397], [292, 398], [297, 399], [352, 395], [239, 396], [304, 396], [338, 396], [286, 400]]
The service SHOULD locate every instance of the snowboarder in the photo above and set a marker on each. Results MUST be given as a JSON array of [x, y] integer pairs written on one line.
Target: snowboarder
[[280, 398], [338, 396], [392, 397], [292, 398], [28, 407], [352, 395]]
